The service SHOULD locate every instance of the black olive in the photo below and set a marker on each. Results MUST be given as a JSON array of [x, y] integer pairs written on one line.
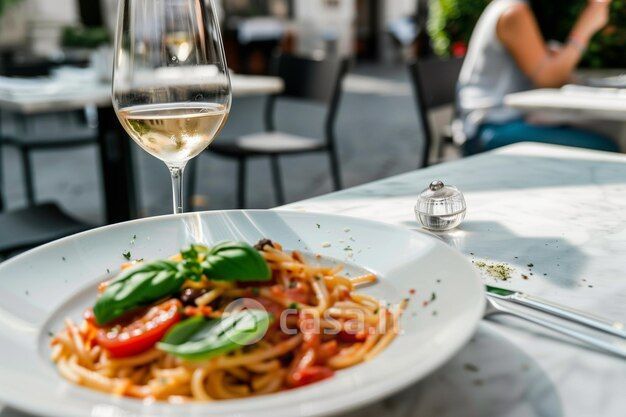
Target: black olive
[[189, 296], [262, 243]]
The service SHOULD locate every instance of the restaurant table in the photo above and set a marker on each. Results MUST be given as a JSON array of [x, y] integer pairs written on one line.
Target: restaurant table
[[99, 94], [587, 102], [115, 147], [561, 210], [578, 103], [558, 217]]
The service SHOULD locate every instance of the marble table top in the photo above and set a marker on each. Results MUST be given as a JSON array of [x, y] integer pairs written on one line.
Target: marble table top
[[72, 96], [563, 211], [583, 102]]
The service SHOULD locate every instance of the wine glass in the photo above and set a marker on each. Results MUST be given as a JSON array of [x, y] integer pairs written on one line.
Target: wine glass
[[171, 85]]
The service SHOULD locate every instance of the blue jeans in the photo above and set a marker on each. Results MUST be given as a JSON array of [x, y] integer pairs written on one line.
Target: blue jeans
[[492, 136]]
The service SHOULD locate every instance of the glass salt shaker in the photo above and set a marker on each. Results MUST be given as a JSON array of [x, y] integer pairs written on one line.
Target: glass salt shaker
[[440, 207]]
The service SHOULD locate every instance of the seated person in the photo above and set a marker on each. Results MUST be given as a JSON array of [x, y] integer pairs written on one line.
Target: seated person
[[507, 54]]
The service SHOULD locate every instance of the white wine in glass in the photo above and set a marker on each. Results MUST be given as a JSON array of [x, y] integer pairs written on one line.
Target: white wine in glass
[[172, 101], [175, 132]]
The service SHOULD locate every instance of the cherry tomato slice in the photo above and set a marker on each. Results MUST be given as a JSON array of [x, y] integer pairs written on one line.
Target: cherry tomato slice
[[348, 337], [306, 358], [142, 333], [311, 374], [326, 351]]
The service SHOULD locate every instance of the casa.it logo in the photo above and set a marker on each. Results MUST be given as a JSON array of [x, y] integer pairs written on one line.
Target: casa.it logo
[[247, 327], [243, 325]]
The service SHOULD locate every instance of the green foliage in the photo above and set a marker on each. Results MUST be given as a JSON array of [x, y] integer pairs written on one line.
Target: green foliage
[[453, 21], [4, 4], [450, 21], [607, 48], [80, 37]]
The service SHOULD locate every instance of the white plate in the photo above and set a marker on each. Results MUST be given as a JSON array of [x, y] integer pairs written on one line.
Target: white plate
[[39, 288]]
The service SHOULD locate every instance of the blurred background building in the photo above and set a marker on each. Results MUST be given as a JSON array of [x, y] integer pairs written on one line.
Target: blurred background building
[[338, 26]]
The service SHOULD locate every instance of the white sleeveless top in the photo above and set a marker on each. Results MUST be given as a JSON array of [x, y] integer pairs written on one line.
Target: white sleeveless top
[[489, 73]]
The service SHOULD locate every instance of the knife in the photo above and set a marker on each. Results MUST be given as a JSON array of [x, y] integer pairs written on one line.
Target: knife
[[613, 327]]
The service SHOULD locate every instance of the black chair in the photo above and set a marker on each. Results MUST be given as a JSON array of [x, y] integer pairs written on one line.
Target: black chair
[[305, 79], [33, 226], [76, 133], [434, 83]]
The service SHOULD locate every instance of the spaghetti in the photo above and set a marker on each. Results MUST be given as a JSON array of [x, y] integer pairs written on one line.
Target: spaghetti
[[319, 325]]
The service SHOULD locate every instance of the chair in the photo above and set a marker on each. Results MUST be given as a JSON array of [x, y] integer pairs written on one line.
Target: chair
[[22, 138], [305, 79], [434, 83], [27, 142], [32, 226], [17, 61]]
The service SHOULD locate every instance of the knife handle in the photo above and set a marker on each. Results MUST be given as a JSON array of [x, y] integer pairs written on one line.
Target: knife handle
[[615, 328], [616, 347]]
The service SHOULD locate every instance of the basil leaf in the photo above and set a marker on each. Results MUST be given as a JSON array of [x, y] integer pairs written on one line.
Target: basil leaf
[[138, 286], [235, 261], [229, 261], [198, 339], [183, 331]]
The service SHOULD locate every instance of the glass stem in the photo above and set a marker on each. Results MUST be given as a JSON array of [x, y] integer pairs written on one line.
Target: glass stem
[[177, 188]]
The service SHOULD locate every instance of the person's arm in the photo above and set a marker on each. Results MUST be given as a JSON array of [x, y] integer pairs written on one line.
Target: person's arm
[[518, 30]]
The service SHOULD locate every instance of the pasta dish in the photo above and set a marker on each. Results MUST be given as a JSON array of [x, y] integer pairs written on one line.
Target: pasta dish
[[225, 322]]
